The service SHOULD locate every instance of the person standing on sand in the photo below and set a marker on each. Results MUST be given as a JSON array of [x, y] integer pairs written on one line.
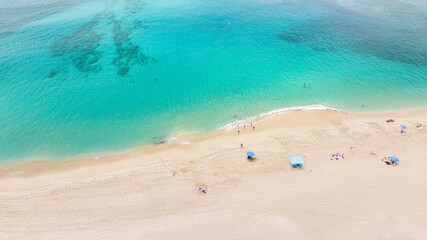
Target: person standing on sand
[[241, 145], [253, 128], [244, 126], [238, 131]]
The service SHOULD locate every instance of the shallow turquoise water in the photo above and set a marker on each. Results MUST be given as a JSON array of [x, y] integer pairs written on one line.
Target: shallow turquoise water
[[81, 77]]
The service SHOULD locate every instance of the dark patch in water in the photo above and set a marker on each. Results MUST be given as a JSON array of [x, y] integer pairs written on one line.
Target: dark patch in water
[[291, 37], [362, 36], [127, 52], [81, 47], [158, 140], [298, 36], [52, 74], [138, 25], [5, 34], [322, 49]]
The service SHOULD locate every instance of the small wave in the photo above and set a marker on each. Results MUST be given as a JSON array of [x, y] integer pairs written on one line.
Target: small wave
[[263, 116], [17, 173], [175, 139]]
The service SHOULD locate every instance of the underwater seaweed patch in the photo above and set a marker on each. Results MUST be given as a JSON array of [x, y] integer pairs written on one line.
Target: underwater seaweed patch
[[127, 52], [81, 47]]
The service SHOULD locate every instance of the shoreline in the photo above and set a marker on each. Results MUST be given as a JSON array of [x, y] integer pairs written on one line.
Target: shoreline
[[173, 140]]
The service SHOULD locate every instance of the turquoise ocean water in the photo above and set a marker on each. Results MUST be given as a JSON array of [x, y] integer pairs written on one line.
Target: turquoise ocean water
[[89, 76]]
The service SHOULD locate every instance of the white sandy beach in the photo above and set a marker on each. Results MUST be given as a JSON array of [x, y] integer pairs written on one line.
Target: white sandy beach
[[152, 193]]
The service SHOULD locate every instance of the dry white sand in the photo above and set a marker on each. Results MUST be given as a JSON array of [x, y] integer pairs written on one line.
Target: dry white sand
[[152, 193]]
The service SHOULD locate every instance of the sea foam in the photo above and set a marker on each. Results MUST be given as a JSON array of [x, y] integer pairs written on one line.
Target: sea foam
[[263, 116]]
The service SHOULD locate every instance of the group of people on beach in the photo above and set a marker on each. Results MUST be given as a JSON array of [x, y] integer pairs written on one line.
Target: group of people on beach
[[389, 161], [403, 132], [337, 156], [244, 127]]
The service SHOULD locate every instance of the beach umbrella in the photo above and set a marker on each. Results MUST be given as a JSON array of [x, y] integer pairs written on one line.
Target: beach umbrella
[[250, 154], [296, 160], [403, 126], [394, 159]]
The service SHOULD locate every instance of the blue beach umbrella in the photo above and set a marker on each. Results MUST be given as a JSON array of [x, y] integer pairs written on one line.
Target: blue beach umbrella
[[394, 159], [250, 154], [296, 160], [403, 126]]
